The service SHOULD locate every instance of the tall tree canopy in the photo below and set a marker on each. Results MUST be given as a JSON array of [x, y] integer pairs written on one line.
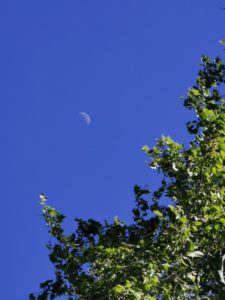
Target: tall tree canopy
[[174, 251]]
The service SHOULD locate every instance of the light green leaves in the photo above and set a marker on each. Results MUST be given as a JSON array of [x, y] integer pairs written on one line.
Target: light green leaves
[[194, 92], [145, 148], [118, 290], [207, 114]]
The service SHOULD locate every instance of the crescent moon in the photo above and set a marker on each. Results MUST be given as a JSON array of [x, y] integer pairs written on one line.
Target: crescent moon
[[86, 117]]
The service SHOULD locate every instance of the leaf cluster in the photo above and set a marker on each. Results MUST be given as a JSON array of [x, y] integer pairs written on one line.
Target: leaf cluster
[[173, 251]]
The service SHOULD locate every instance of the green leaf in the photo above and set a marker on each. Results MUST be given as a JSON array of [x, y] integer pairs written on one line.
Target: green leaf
[[222, 220], [183, 220], [166, 266], [158, 213], [207, 113], [118, 289], [52, 213], [146, 149], [195, 92]]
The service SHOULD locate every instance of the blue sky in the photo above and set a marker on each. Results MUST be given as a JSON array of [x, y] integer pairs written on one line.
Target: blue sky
[[126, 63]]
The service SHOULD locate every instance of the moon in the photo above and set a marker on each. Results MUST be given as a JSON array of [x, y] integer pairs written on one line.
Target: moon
[[86, 117]]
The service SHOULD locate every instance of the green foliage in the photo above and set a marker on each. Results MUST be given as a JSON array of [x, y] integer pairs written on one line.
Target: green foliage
[[169, 251]]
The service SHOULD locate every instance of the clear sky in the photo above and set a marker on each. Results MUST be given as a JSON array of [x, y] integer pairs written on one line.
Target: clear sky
[[125, 63]]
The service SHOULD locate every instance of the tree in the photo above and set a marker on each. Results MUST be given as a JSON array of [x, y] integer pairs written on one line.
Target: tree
[[174, 251]]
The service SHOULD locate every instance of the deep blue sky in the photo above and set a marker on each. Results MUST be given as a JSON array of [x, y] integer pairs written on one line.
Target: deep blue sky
[[125, 63]]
